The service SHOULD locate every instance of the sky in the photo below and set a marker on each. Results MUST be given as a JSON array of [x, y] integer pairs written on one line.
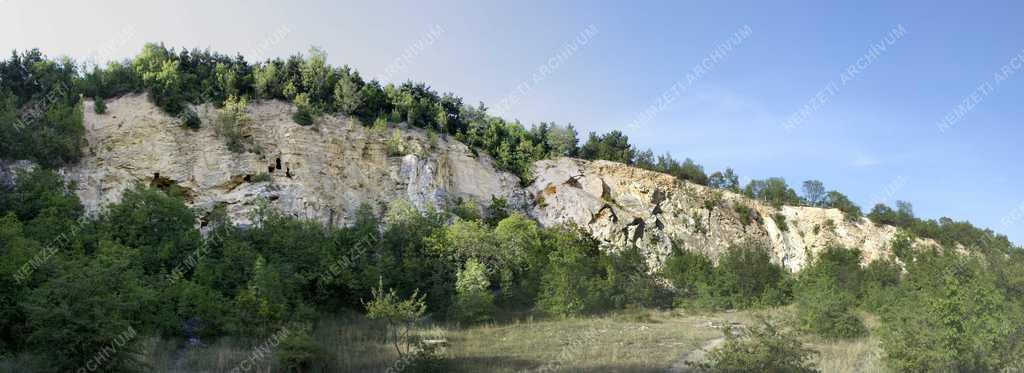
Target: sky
[[917, 101]]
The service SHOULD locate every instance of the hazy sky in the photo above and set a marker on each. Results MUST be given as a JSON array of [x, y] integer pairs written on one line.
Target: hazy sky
[[862, 96]]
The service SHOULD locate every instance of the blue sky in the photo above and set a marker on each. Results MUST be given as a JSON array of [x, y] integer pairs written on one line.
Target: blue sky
[[875, 138]]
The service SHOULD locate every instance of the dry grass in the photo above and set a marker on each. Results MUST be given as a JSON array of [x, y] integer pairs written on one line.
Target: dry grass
[[627, 341]]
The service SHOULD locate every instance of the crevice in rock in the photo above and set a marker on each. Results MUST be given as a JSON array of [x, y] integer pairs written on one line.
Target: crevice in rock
[[574, 182], [657, 209], [657, 197], [600, 213], [606, 192], [638, 233]]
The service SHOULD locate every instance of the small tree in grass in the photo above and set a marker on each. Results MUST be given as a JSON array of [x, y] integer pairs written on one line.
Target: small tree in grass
[[401, 315]]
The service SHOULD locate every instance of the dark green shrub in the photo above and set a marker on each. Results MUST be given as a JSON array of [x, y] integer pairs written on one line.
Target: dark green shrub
[[780, 221], [299, 353], [190, 119], [687, 271], [303, 116], [826, 310], [745, 277], [99, 106]]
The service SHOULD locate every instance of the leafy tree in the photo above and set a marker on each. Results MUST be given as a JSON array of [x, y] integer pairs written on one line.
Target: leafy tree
[[836, 200], [612, 146], [882, 214], [814, 192], [159, 227], [99, 106], [727, 180], [827, 293], [573, 281], [952, 317], [473, 300], [772, 190], [94, 305], [346, 93], [400, 315], [744, 277]]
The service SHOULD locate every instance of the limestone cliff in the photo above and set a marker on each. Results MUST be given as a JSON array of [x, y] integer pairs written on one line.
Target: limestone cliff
[[325, 171]]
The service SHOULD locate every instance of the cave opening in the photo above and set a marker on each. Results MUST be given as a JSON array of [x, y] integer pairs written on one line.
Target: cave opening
[[278, 163]]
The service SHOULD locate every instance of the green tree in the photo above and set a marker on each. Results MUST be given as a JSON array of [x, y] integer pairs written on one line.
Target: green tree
[[814, 192], [400, 315], [612, 146], [952, 317], [160, 227], [727, 180], [473, 299], [836, 200], [346, 94], [89, 315]]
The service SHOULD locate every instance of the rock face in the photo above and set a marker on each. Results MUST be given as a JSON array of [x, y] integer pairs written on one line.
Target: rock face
[[326, 171], [627, 206], [322, 172]]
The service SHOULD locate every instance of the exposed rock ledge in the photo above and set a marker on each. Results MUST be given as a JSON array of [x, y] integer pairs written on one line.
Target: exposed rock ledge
[[324, 172]]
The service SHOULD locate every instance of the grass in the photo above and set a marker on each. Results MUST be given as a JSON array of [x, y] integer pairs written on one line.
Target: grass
[[636, 340]]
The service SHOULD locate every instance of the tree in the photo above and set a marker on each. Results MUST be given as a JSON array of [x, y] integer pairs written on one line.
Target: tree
[[159, 227], [562, 141], [473, 300], [727, 180], [772, 190], [952, 317], [346, 94], [836, 200], [612, 146], [94, 305], [814, 192], [400, 315]]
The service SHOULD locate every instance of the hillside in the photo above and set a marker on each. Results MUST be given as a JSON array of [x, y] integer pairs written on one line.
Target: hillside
[[325, 172]]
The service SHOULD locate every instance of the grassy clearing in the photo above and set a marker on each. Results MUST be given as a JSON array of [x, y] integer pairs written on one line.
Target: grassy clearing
[[627, 341]]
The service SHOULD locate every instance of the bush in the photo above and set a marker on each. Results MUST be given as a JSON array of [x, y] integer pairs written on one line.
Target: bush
[[687, 271], [780, 221], [952, 317], [573, 281], [190, 119], [827, 311], [299, 353], [745, 277], [768, 348], [99, 106]]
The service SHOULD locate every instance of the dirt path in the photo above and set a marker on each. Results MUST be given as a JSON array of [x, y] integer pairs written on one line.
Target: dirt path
[[695, 356]]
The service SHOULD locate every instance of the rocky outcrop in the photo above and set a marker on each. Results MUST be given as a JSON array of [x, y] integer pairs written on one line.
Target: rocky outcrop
[[626, 206], [322, 172], [326, 171]]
